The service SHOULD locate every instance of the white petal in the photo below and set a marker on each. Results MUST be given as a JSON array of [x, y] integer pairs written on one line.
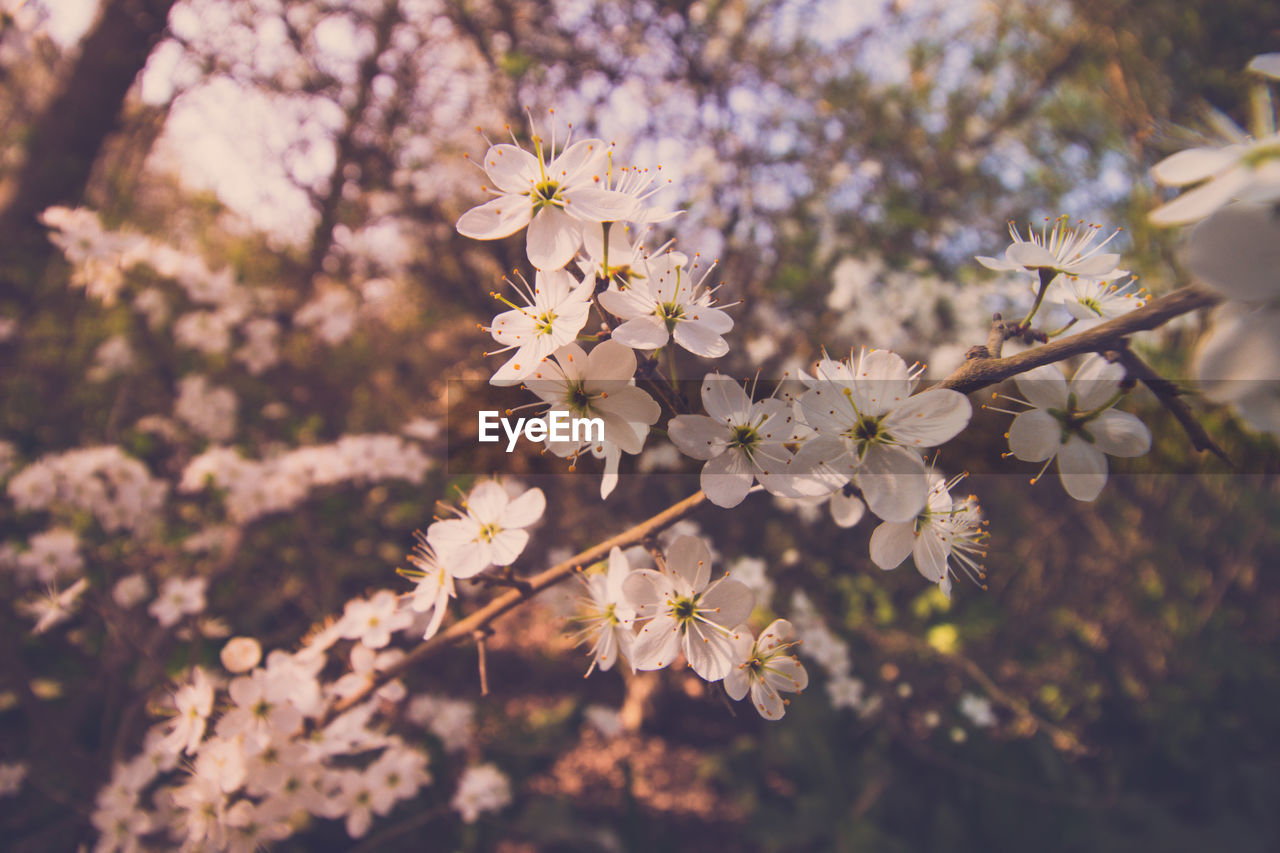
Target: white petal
[[501, 217], [1096, 382], [709, 651], [525, 510], [724, 399], [1035, 436], [690, 558], [1196, 204], [595, 205], [645, 333], [997, 264], [1120, 434], [1083, 469], [507, 545], [714, 319], [610, 362], [930, 556], [657, 644], [1098, 265], [891, 543], [1237, 250], [645, 590], [767, 701], [698, 436], [1194, 165], [894, 482], [1031, 255], [553, 239], [578, 161], [727, 478], [487, 501], [732, 600], [700, 339], [1267, 64], [847, 510], [513, 169], [1044, 387], [930, 418]]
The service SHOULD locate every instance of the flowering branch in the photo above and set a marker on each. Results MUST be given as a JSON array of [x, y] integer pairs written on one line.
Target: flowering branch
[[514, 598], [978, 371]]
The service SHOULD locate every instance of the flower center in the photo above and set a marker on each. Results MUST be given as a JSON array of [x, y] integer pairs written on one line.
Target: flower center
[[744, 438], [544, 322], [671, 313], [683, 610], [546, 193]]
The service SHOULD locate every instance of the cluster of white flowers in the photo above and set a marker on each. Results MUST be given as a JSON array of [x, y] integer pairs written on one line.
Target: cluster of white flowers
[[1235, 249], [844, 689], [116, 489], [256, 488], [210, 411]]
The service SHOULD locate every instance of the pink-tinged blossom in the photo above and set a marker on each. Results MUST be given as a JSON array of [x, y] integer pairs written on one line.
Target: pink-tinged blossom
[[669, 302], [947, 530], [687, 611], [1057, 250], [597, 385], [489, 532], [482, 788], [870, 425], [606, 615], [372, 621], [194, 703], [1075, 424], [742, 442], [178, 597], [552, 194], [766, 668], [434, 585], [553, 314]]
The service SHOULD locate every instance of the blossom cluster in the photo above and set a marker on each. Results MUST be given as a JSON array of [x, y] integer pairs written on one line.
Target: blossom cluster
[[1235, 249]]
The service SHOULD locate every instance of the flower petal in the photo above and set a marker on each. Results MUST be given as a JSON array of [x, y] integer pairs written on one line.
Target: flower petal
[[590, 204], [1194, 165], [1083, 469], [644, 333], [724, 399], [525, 510], [700, 339], [732, 600], [501, 217], [727, 478], [1044, 387], [929, 418], [891, 543], [689, 558], [698, 436], [553, 239], [513, 169], [1035, 436], [894, 482], [1120, 434]]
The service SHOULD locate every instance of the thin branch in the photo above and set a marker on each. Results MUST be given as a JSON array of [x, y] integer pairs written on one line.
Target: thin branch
[[1170, 395], [466, 628], [979, 372]]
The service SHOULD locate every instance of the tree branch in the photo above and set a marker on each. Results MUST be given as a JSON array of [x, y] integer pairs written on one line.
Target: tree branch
[[467, 628], [979, 372]]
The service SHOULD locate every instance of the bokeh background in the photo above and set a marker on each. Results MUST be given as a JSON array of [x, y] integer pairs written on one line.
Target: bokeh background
[[1115, 687]]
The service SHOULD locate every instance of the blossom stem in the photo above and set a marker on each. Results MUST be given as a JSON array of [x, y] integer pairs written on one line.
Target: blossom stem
[[466, 628], [1046, 278]]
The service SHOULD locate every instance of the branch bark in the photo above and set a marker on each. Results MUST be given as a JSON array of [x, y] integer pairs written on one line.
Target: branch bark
[[979, 372]]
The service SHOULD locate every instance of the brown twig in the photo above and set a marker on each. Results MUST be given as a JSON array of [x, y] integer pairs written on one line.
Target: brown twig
[[979, 372], [1170, 396], [483, 617]]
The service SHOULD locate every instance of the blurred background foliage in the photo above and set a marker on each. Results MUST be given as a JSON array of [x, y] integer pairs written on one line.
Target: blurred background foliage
[[1128, 647]]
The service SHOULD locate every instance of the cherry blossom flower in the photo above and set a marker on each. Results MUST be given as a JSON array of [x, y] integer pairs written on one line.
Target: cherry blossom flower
[[669, 303], [1057, 250], [1090, 301], [1237, 251], [489, 533], [606, 613], [944, 529], [687, 611], [482, 788], [766, 668], [194, 703], [435, 584], [1075, 424], [869, 424], [177, 598], [1244, 169], [1238, 363], [372, 621], [54, 607], [553, 314], [598, 385], [552, 194], [742, 441]]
